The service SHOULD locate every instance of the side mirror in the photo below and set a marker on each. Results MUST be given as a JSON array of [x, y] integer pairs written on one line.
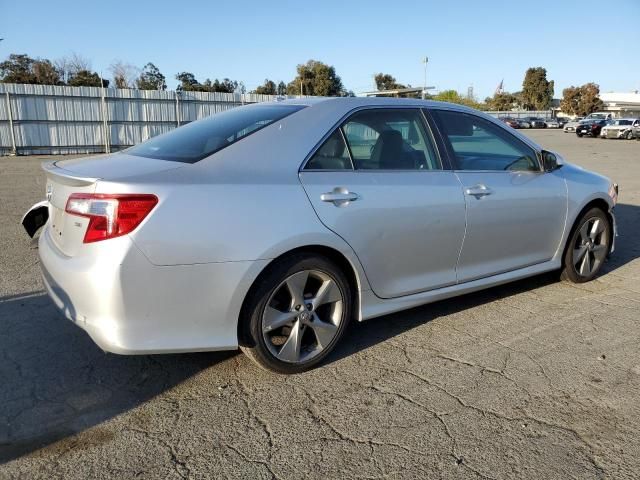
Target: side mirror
[[551, 161]]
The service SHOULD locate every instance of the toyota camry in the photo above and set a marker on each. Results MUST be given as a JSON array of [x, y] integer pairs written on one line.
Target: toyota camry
[[269, 227]]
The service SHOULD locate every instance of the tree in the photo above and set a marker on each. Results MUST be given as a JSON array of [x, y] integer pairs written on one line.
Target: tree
[[124, 74], [86, 78], [316, 78], [384, 81], [78, 63], [452, 96], [151, 79], [537, 91], [45, 73], [267, 88], [18, 68], [70, 65], [581, 100], [501, 101], [282, 88], [187, 81], [225, 86]]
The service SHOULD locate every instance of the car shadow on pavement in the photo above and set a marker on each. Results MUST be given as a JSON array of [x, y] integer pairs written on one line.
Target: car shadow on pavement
[[54, 381], [361, 336]]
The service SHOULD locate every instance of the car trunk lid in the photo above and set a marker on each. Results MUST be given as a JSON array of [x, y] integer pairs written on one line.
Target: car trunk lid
[[82, 176]]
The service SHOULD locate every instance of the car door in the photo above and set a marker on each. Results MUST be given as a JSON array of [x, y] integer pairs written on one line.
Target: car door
[[516, 212], [378, 182]]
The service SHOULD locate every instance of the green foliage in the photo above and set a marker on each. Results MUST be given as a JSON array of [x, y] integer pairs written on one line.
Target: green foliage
[[268, 88], [502, 101], [17, 69], [151, 79], [20, 68], [537, 91], [384, 81], [85, 78], [282, 88], [452, 96], [581, 100], [316, 78], [188, 83]]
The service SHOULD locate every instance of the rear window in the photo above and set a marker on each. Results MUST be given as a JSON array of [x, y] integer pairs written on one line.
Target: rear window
[[201, 138]]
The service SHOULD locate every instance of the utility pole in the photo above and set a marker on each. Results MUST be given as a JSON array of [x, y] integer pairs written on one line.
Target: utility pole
[[425, 60]]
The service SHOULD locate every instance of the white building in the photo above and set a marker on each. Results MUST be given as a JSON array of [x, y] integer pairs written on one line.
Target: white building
[[622, 104]]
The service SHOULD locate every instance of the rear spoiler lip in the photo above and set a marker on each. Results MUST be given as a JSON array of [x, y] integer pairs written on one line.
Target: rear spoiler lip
[[67, 177]]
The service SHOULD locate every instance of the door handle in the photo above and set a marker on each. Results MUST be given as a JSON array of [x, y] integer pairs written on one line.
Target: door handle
[[339, 196], [478, 191]]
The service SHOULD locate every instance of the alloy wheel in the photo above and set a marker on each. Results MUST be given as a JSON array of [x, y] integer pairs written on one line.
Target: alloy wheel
[[302, 316], [590, 248]]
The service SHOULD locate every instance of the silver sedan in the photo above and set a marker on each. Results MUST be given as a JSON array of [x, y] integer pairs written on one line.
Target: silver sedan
[[269, 227]]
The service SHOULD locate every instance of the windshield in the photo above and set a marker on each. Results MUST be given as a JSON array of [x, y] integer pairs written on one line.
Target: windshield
[[201, 138], [622, 122]]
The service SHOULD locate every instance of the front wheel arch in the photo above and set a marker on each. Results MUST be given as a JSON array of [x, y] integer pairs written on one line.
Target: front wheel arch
[[599, 203], [244, 339]]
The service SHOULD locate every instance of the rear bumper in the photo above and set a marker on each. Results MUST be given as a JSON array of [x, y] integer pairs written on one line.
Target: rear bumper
[[129, 306]]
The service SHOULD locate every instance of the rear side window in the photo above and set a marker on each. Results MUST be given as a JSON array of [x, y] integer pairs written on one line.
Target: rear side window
[[332, 155], [201, 138], [387, 139], [480, 145]]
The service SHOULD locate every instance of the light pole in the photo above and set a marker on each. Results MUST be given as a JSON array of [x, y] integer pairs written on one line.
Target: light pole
[[425, 60]]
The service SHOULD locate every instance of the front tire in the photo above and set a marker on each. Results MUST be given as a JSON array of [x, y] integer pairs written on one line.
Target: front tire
[[296, 314], [588, 247]]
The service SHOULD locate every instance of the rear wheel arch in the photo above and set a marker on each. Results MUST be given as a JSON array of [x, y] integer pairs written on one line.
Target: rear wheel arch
[[333, 255]]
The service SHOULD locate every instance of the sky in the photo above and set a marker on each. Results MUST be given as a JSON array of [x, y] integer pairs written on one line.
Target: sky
[[473, 43]]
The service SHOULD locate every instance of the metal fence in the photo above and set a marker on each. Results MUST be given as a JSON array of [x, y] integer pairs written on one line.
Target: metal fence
[[49, 119], [522, 113]]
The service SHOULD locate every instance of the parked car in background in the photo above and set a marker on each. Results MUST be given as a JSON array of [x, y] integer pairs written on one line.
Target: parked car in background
[[551, 123], [169, 246], [523, 123], [636, 132], [562, 121], [590, 128], [620, 128], [512, 122], [599, 116], [570, 127], [536, 122]]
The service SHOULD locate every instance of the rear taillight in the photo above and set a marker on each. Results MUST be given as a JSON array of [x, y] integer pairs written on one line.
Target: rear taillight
[[110, 215]]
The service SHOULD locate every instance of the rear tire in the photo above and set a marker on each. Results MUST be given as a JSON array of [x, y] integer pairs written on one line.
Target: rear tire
[[296, 313], [588, 247]]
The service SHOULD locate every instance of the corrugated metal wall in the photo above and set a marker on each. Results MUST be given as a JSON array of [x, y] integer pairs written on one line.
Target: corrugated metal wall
[[54, 119]]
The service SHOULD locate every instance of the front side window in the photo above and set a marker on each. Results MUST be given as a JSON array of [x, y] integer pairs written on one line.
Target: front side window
[[200, 139], [480, 145], [386, 139]]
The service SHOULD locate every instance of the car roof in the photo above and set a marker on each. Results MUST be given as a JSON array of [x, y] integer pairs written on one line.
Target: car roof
[[355, 102]]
